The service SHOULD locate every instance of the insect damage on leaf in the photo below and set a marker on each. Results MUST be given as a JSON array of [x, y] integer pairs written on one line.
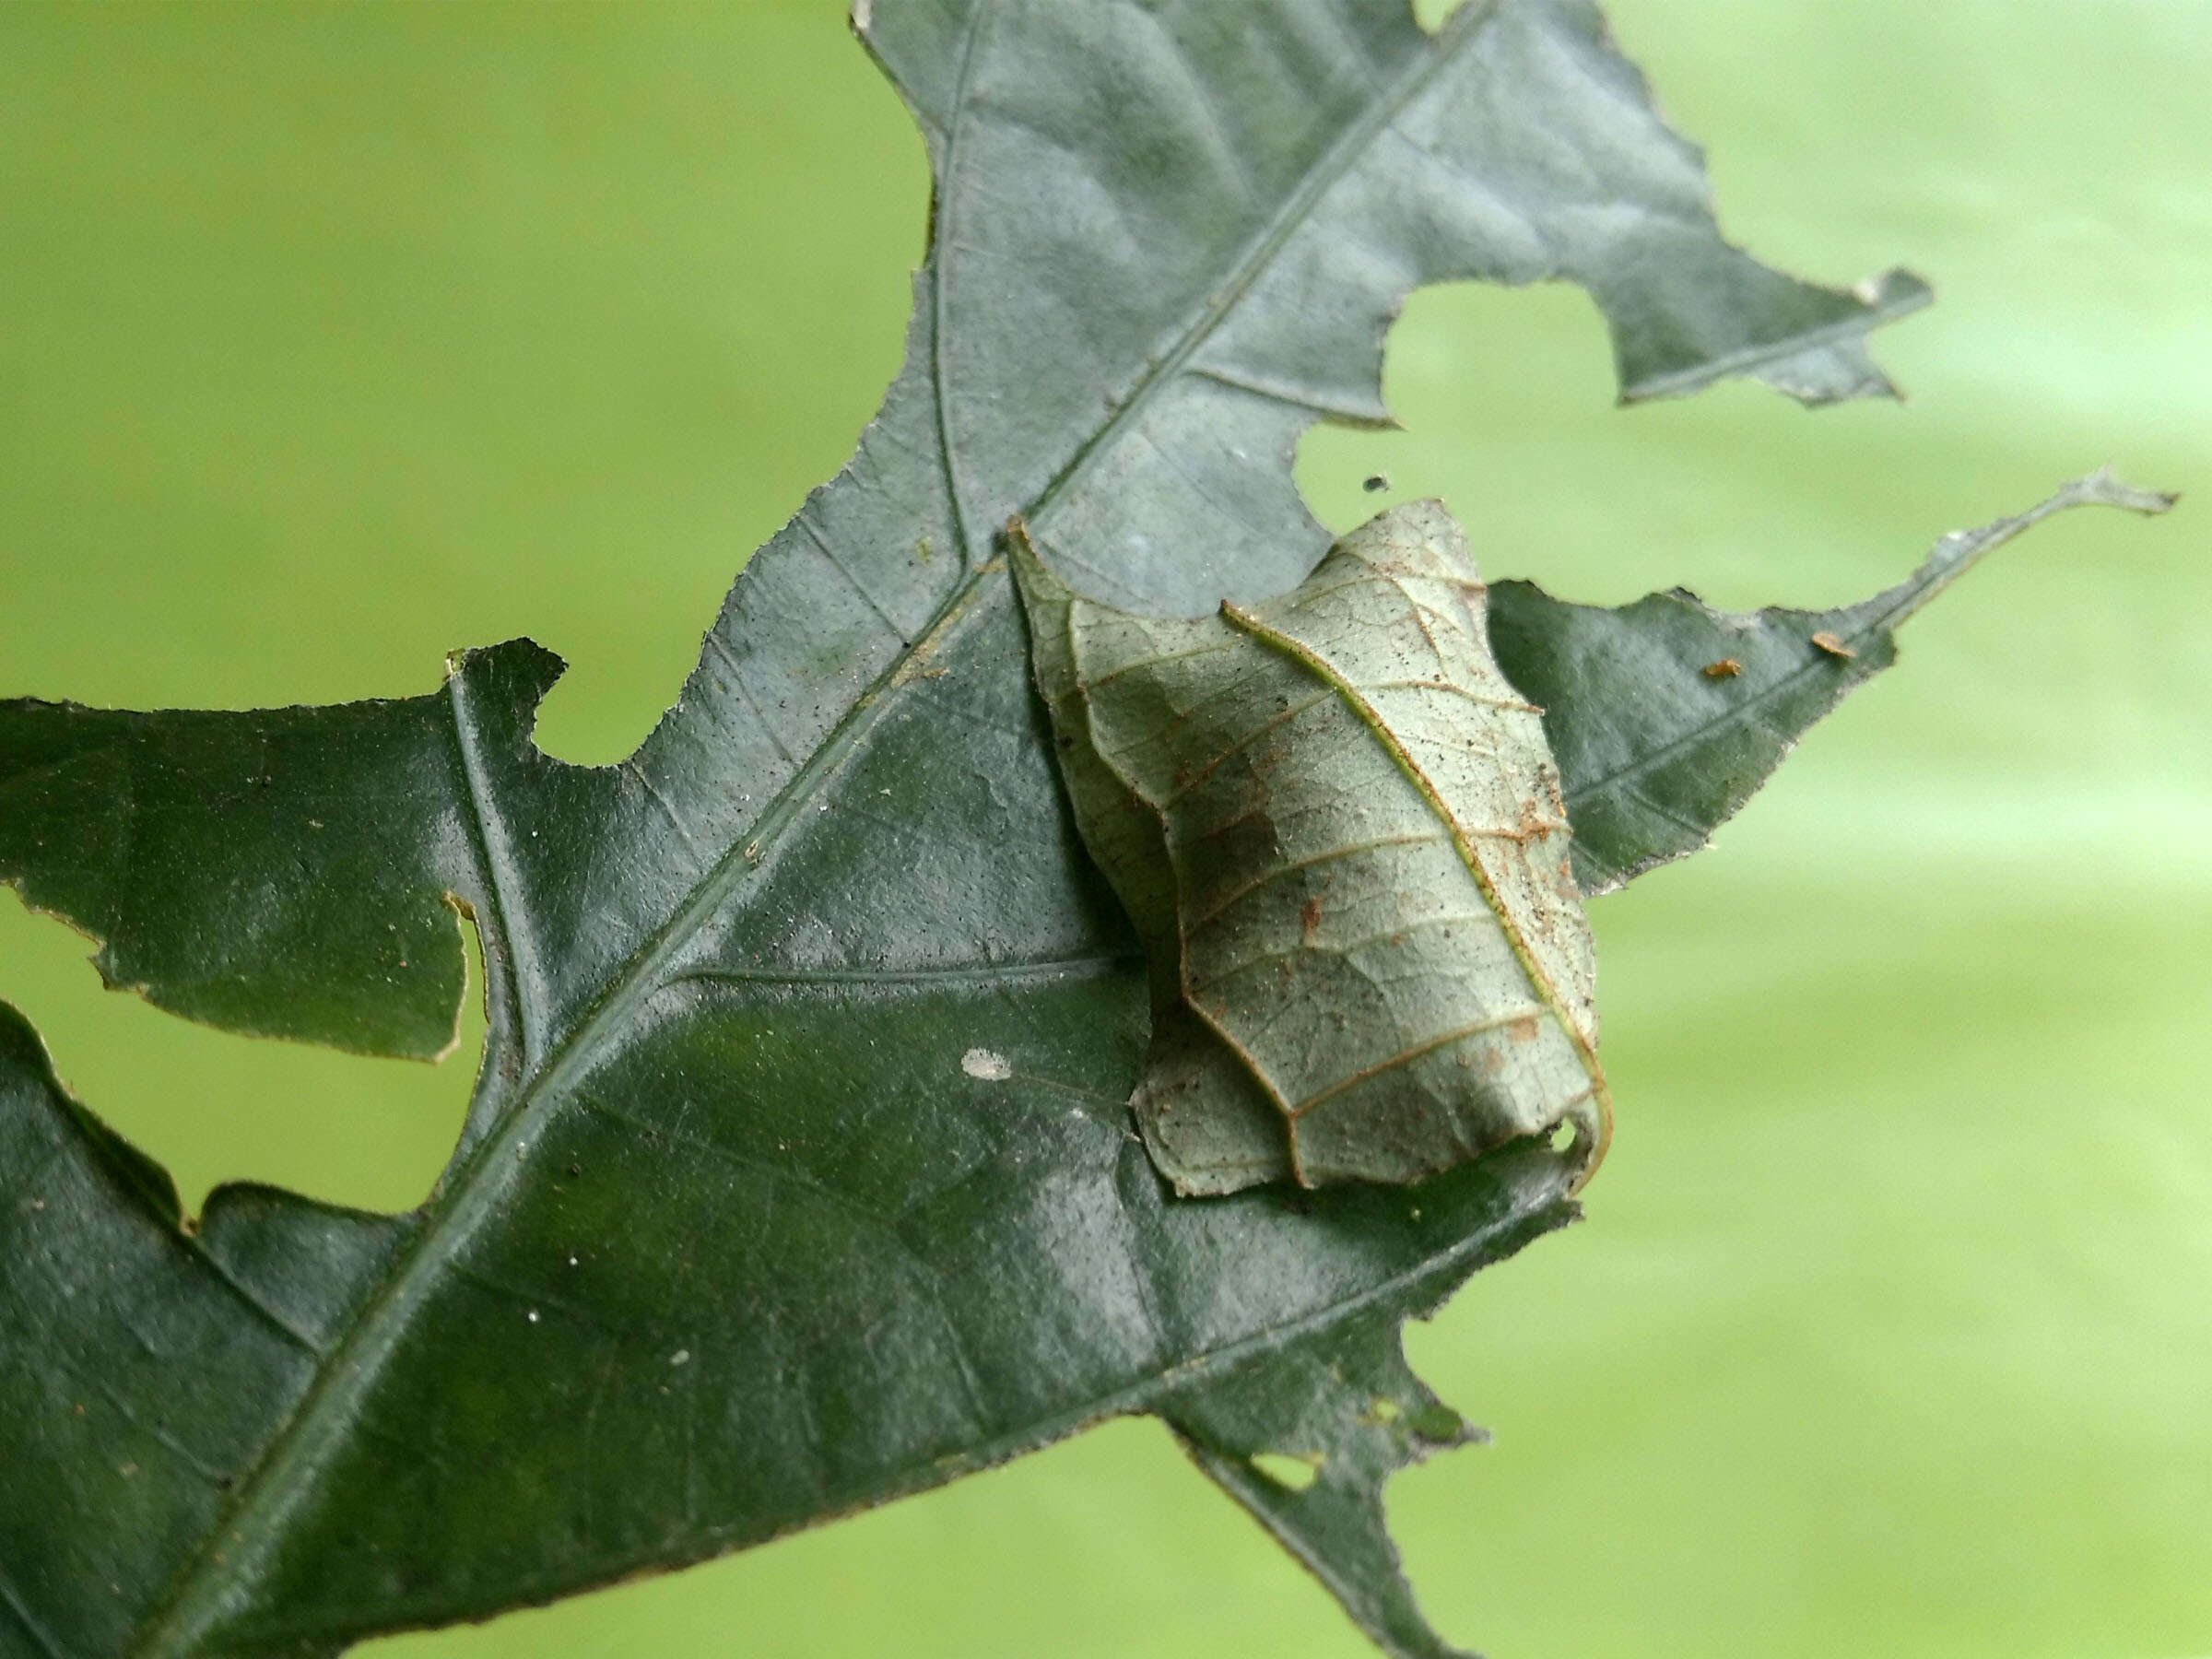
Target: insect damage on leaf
[[1653, 761], [1340, 833]]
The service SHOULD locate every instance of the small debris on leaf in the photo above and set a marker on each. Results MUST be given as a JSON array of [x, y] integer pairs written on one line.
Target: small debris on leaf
[[980, 1062], [1833, 644], [1726, 668], [1375, 483]]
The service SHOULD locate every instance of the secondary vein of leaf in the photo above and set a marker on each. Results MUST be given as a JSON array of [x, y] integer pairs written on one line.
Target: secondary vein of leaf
[[490, 835], [1276, 872], [1737, 713], [1749, 358], [1887, 611], [204, 1588], [1333, 164], [11, 1600], [993, 974], [941, 235], [1547, 993]]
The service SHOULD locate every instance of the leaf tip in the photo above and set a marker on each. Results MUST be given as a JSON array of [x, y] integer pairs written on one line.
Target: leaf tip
[[2106, 487]]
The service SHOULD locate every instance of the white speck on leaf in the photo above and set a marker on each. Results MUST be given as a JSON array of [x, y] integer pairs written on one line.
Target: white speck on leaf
[[981, 1063], [534, 1317], [681, 1356]]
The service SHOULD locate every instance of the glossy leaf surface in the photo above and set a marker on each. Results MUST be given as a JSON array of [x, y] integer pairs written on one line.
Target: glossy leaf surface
[[1172, 237]]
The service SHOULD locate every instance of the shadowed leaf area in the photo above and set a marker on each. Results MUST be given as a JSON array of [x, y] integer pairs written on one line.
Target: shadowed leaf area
[[800, 1171]]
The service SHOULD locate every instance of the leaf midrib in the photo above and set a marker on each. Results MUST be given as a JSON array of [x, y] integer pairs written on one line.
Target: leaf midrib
[[279, 1482], [1531, 1204], [1389, 103]]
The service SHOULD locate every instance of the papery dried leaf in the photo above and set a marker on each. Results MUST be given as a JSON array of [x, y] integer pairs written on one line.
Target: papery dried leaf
[[1341, 832]]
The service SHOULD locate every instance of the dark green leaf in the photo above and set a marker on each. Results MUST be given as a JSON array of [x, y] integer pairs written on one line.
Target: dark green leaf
[[1667, 715], [1306, 1440], [1632, 713], [798, 1173], [273, 876], [1172, 237]]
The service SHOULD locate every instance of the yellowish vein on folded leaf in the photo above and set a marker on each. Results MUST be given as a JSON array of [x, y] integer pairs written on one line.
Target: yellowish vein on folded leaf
[[1340, 830]]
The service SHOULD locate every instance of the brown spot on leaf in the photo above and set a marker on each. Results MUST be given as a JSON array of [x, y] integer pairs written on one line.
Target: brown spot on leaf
[[1726, 668], [1834, 646], [1309, 922], [1523, 1030]]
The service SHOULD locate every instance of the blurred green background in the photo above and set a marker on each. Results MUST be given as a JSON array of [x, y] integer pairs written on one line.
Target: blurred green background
[[332, 337]]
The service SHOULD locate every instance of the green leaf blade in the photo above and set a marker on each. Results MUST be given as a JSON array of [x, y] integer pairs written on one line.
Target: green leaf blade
[[164, 1366], [1346, 1407], [282, 873], [1667, 715], [1200, 221]]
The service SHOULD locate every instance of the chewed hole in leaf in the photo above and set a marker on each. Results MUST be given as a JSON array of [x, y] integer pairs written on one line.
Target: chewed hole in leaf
[[1543, 356], [1293, 1471], [367, 1134]]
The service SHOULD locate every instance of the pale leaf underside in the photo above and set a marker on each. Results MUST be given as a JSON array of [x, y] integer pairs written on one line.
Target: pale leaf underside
[[1376, 965]]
